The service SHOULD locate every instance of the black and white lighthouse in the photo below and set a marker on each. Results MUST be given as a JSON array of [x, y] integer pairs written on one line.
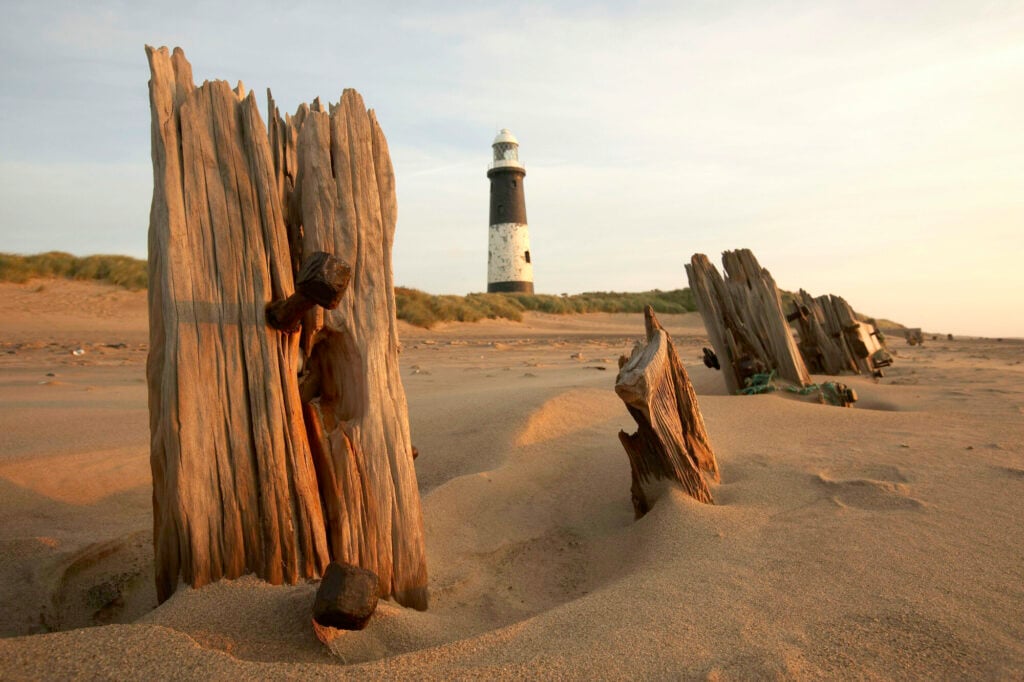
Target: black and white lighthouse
[[508, 257]]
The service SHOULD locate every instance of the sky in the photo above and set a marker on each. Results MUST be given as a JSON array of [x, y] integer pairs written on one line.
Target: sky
[[873, 150]]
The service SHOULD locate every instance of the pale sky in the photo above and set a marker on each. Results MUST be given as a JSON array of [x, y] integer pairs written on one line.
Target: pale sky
[[869, 149]]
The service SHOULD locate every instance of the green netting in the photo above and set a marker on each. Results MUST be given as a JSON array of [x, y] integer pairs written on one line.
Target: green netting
[[830, 392], [760, 383]]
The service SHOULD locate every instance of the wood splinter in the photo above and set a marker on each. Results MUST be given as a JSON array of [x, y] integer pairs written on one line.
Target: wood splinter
[[322, 281]]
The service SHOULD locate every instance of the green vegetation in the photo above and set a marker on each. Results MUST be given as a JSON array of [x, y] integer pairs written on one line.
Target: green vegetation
[[426, 310], [124, 271], [415, 307]]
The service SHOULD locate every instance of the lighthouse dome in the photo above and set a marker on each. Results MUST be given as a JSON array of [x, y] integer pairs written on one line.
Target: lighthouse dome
[[505, 136]]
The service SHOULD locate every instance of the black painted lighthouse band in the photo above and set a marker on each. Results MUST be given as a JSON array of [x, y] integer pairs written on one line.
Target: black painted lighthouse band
[[510, 288], [508, 202]]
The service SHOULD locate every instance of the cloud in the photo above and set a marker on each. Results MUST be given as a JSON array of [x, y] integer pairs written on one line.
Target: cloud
[[845, 143]]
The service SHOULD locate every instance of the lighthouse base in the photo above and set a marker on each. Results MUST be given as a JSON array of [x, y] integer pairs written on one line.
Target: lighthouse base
[[510, 287]]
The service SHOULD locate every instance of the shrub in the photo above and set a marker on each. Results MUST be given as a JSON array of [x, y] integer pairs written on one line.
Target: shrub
[[120, 270], [415, 307], [425, 310]]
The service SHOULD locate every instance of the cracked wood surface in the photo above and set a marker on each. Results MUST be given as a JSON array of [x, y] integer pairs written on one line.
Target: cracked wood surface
[[273, 453], [671, 442]]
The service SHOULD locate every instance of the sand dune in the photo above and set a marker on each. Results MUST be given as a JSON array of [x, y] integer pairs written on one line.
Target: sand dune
[[879, 542]]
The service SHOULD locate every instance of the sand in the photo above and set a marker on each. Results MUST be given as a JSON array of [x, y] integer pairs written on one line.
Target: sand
[[883, 541]]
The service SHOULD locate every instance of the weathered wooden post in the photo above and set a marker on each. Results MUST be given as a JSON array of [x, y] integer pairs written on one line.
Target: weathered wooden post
[[914, 336], [250, 473], [744, 319], [857, 342], [340, 190], [822, 352], [671, 441]]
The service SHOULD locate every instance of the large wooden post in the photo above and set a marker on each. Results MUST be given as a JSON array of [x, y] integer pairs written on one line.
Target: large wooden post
[[253, 471], [343, 197], [744, 319]]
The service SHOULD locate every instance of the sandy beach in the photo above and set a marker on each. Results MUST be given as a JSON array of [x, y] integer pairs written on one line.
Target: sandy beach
[[879, 542]]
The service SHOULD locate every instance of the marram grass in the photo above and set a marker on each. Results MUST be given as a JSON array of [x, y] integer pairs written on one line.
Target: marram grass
[[426, 310], [124, 271], [414, 306]]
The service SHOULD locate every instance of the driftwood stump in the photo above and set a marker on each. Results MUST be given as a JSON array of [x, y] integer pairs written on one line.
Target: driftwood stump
[[823, 351], [914, 336], [274, 452], [744, 319], [855, 346], [671, 441]]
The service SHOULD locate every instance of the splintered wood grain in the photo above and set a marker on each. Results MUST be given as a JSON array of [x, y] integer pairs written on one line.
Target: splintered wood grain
[[273, 453], [235, 489], [855, 340], [833, 328], [743, 315], [671, 441], [284, 149], [857, 335], [762, 310], [823, 351], [356, 413]]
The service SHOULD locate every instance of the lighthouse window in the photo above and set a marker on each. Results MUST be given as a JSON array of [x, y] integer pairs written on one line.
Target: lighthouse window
[[513, 183], [527, 256]]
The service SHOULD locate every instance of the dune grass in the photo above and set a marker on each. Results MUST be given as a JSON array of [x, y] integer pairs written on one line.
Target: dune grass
[[426, 310], [124, 271], [414, 306]]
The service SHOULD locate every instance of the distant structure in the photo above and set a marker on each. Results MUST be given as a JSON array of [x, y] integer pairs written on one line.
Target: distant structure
[[508, 258]]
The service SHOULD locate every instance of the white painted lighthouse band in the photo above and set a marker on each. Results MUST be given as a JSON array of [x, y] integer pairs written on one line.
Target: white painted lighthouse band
[[508, 257]]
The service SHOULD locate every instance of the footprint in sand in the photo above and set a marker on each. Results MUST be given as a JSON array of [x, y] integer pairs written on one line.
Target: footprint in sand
[[1012, 472], [104, 582], [870, 494]]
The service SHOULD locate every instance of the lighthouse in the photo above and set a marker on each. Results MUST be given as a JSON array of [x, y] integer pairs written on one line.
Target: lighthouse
[[508, 254]]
